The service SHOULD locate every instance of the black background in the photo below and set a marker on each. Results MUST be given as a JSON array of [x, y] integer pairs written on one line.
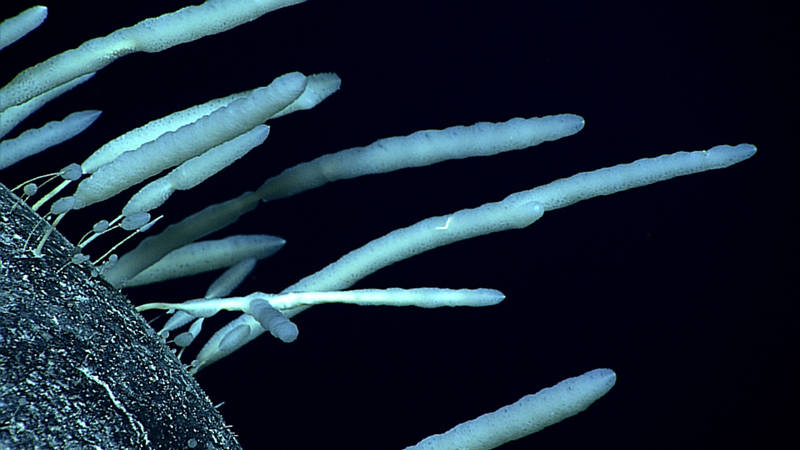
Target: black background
[[687, 289]]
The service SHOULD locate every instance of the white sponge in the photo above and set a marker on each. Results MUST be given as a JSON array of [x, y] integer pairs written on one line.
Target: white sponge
[[527, 415]]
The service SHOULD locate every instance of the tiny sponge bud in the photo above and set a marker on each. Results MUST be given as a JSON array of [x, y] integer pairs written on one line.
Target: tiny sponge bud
[[62, 205], [71, 172], [184, 339], [135, 221], [100, 226]]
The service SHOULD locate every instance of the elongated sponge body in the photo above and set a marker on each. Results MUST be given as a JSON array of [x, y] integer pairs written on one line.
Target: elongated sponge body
[[419, 297], [14, 28], [195, 171], [527, 415], [610, 180], [150, 35], [34, 141], [418, 238], [204, 256], [173, 148], [420, 149]]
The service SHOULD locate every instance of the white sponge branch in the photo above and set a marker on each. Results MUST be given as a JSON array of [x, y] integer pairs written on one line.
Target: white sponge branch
[[210, 255], [14, 28], [16, 114], [527, 415], [418, 238], [610, 180], [420, 149], [37, 140], [150, 35], [419, 297], [319, 86], [231, 278]]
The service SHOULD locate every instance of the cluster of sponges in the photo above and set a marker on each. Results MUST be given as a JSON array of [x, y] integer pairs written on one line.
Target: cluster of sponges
[[194, 144]]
